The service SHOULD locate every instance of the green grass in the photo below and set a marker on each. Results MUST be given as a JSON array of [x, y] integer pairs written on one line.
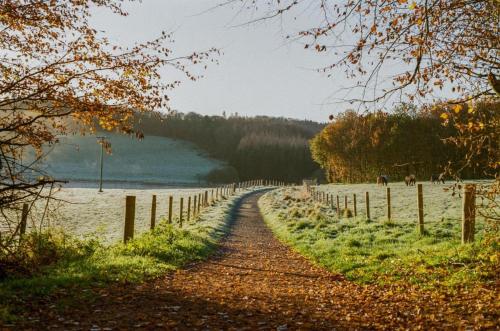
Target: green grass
[[54, 262], [381, 251]]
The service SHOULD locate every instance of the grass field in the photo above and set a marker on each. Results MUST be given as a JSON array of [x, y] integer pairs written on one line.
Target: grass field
[[151, 160], [438, 204], [85, 212], [379, 250]]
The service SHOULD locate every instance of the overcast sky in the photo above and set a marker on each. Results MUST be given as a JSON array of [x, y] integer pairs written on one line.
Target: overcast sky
[[258, 74]]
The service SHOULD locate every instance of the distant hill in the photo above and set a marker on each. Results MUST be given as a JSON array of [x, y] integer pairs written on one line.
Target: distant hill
[[153, 160], [189, 149], [253, 147]]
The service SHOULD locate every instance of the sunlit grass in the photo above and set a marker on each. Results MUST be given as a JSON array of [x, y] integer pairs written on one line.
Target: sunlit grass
[[379, 250]]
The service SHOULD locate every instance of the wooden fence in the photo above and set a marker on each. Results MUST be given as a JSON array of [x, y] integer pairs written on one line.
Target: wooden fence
[[468, 207], [189, 206], [195, 203]]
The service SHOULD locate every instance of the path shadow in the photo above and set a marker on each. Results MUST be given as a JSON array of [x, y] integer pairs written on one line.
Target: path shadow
[[310, 276], [149, 308]]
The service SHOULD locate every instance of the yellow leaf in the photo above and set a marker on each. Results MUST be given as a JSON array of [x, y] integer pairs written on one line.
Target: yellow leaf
[[457, 109], [413, 5], [444, 116]]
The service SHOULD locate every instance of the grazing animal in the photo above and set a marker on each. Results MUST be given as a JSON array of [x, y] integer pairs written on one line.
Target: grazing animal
[[382, 180], [410, 180], [437, 178]]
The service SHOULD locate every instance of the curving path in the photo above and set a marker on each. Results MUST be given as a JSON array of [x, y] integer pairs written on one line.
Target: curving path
[[254, 282]]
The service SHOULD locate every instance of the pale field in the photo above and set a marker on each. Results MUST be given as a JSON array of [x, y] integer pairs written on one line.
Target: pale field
[[439, 203], [85, 212]]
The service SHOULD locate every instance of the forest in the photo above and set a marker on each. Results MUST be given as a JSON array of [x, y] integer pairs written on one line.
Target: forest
[[253, 147], [358, 147]]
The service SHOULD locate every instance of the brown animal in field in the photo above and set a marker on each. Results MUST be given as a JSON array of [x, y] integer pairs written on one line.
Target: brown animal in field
[[382, 180], [410, 180], [437, 178]]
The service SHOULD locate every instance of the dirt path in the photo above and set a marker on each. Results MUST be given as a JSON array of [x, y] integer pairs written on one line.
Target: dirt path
[[253, 283]]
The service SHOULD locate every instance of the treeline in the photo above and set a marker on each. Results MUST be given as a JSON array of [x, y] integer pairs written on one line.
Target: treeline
[[359, 147], [253, 147]]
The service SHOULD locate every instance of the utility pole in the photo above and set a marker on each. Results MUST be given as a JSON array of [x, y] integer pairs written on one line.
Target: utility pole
[[101, 141]]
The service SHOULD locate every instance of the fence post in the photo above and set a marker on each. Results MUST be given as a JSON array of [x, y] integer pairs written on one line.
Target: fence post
[[129, 218], [153, 212], [199, 202], [189, 209], [389, 203], [468, 213], [355, 207], [345, 201], [194, 207], [206, 198], [420, 203], [367, 203], [212, 196], [181, 207], [331, 201], [170, 208], [24, 220], [338, 206]]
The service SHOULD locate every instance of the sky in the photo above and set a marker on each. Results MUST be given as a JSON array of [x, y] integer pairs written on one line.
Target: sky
[[259, 73]]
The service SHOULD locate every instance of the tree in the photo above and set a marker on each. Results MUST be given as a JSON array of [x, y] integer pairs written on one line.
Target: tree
[[422, 46], [59, 75], [478, 132], [358, 147]]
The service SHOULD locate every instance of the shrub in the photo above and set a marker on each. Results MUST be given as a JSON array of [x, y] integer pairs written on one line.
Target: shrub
[[41, 249]]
